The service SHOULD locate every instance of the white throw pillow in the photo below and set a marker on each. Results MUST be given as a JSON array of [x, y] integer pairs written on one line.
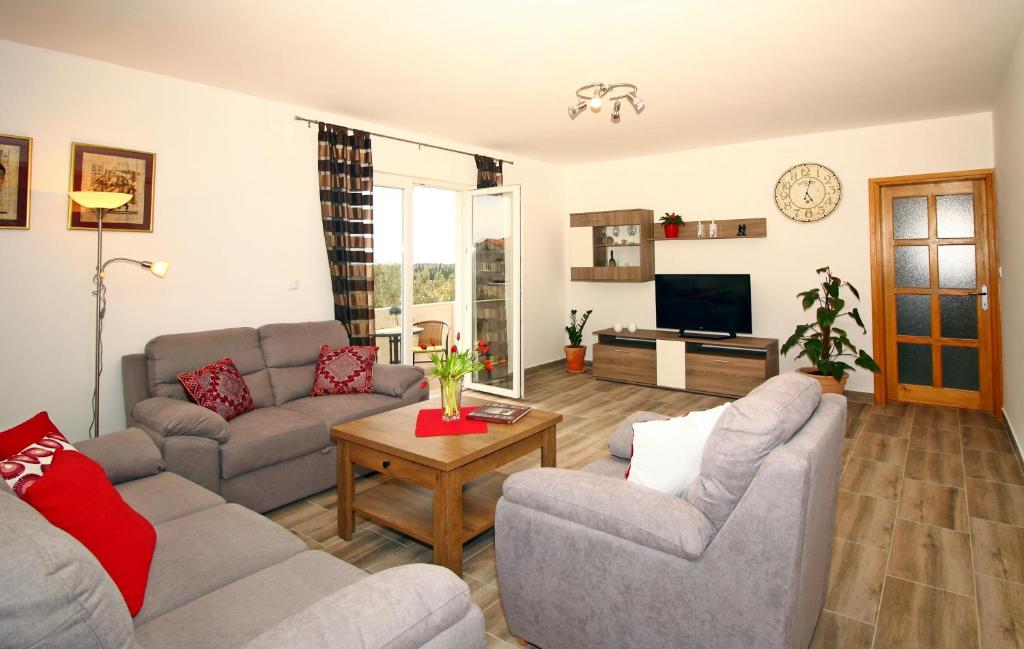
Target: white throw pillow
[[667, 453]]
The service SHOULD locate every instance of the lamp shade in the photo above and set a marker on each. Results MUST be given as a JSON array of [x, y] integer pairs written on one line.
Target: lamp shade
[[159, 268], [100, 200]]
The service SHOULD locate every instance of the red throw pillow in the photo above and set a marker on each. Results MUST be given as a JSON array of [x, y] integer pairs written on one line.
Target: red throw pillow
[[219, 387], [76, 496], [27, 466], [344, 370], [14, 439]]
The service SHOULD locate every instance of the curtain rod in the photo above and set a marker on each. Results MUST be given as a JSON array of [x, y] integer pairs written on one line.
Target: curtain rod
[[310, 122]]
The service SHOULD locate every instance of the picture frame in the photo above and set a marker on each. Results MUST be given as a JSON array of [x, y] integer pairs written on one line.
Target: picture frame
[[15, 182], [110, 169]]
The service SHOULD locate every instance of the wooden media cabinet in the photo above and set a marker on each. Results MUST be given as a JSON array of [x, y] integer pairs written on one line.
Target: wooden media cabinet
[[731, 367]]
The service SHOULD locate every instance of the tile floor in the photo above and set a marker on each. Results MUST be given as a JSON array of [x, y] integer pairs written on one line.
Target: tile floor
[[929, 538]]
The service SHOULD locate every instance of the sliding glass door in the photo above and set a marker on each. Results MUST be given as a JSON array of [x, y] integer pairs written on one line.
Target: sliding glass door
[[491, 287]]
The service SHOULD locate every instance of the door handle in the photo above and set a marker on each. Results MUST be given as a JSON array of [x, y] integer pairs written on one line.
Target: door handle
[[984, 296]]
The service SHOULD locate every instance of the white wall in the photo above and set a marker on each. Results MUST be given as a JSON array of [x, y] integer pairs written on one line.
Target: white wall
[[738, 181], [236, 214], [1008, 129]]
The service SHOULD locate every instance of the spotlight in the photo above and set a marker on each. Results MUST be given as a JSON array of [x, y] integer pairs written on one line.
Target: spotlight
[[577, 109], [595, 103], [616, 111], [638, 104]]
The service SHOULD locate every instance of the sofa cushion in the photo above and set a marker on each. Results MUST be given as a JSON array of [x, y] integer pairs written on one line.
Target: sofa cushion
[[748, 431], [291, 351], [334, 409], [166, 496], [240, 611], [55, 592], [400, 608], [31, 430], [218, 387], [394, 380], [170, 355], [267, 436], [611, 467], [76, 496], [344, 370], [199, 553], [26, 467], [620, 443]]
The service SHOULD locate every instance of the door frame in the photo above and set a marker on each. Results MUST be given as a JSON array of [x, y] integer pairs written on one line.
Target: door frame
[[875, 186]]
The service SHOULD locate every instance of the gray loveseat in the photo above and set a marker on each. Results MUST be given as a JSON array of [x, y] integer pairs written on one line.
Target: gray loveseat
[[277, 453], [222, 577], [586, 559]]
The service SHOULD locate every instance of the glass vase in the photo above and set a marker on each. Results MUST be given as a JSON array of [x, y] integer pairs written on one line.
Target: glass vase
[[451, 398]]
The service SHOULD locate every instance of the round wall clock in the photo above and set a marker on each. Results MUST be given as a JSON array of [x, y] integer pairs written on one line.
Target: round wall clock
[[808, 192]]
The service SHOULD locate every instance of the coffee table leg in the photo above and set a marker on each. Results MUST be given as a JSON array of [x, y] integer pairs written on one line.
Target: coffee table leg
[[448, 521], [346, 491], [547, 451]]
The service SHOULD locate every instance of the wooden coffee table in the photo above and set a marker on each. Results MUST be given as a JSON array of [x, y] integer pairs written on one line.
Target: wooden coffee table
[[443, 490]]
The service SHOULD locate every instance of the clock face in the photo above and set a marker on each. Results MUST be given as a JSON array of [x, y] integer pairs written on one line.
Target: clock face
[[808, 192]]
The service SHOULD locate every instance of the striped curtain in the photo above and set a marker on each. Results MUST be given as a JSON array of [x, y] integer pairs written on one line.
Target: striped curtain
[[346, 208], [488, 172]]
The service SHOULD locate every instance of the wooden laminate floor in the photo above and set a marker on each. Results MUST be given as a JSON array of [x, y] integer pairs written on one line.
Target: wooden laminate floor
[[929, 539]]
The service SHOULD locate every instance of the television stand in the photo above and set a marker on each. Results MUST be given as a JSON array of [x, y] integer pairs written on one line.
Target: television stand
[[728, 367], [706, 335]]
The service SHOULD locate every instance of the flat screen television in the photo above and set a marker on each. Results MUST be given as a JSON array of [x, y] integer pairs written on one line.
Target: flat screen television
[[713, 306]]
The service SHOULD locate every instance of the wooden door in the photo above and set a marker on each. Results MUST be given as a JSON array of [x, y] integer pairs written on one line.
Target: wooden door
[[938, 292]]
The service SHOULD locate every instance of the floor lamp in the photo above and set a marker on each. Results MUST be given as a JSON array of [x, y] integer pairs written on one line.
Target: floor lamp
[[100, 203]]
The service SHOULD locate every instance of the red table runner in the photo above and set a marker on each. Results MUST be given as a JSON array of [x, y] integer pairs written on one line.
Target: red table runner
[[429, 424]]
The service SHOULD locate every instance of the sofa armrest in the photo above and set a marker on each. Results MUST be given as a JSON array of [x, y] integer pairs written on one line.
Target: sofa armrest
[[394, 380], [125, 455], [643, 516], [169, 417], [400, 608]]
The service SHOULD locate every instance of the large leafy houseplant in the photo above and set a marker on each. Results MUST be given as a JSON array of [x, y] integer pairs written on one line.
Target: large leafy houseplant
[[576, 351], [822, 342]]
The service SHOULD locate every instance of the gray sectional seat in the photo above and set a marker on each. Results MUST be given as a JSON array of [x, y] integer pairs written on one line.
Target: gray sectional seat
[[222, 577], [741, 561], [277, 453]]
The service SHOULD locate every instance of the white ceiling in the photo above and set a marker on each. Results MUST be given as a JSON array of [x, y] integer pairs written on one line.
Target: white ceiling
[[501, 75]]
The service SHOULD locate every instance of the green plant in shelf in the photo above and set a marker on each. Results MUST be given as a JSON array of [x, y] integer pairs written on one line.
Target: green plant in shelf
[[823, 343]]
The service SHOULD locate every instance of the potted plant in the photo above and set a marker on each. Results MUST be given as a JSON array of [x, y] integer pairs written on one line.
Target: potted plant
[[822, 342], [671, 222], [450, 369], [576, 351]]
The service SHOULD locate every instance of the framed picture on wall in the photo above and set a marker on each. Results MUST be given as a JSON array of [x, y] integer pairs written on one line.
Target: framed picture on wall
[[15, 178], [106, 169]]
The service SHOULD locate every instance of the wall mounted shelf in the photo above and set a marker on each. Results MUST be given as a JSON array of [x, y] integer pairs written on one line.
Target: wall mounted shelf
[[727, 228]]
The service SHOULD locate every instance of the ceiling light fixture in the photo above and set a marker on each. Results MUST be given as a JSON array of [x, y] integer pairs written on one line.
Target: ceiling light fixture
[[594, 94]]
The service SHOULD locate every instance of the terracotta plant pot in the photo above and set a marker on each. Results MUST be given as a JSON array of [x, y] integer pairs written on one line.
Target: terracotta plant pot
[[671, 230], [828, 384], [574, 358]]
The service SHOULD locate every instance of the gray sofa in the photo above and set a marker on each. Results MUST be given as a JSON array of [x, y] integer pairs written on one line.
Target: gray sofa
[[222, 576], [586, 559], [277, 453]]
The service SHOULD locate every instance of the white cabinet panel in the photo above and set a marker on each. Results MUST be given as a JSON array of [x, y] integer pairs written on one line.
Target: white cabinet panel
[[672, 364]]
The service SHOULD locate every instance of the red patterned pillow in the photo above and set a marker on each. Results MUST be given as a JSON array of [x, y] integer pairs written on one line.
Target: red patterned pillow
[[344, 370], [219, 387], [23, 469]]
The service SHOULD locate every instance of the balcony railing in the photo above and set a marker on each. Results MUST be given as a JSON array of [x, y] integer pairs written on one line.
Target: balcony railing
[[443, 311]]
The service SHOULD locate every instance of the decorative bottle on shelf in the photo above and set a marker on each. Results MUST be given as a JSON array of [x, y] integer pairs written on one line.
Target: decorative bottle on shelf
[[611, 259], [700, 229], [714, 230]]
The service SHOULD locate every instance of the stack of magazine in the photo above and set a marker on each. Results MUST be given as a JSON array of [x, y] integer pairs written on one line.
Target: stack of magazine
[[499, 413]]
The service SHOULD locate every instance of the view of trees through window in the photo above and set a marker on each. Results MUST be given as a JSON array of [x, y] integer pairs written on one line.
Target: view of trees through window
[[430, 283]]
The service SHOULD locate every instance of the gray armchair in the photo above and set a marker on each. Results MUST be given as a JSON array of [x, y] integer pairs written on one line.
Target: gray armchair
[[586, 559]]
